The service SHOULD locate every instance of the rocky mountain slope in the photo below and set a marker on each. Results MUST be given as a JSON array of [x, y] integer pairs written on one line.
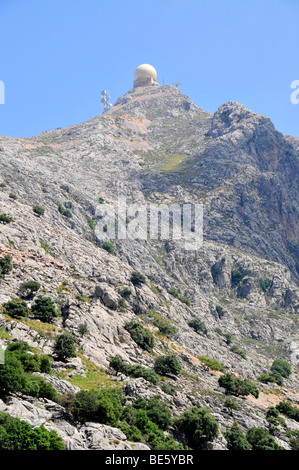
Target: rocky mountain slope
[[154, 145]]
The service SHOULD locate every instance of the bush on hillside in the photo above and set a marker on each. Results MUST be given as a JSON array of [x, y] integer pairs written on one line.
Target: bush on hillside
[[44, 309], [64, 347], [167, 364], [18, 435], [196, 427], [16, 308], [142, 336]]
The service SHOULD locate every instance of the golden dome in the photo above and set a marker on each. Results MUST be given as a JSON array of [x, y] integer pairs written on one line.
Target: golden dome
[[145, 71]]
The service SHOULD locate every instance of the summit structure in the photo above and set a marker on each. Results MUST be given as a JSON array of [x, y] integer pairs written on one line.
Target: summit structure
[[145, 75]]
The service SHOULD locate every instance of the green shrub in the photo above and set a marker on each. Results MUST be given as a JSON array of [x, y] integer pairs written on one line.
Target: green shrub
[[133, 370], [142, 336], [16, 308], [18, 346], [236, 277], [174, 292], [18, 435], [196, 427], [272, 412], [281, 367], [236, 439], [235, 386], [5, 264], [231, 404], [266, 378], [121, 304], [293, 439], [265, 284], [12, 375], [102, 406], [30, 362], [29, 288], [169, 389], [137, 278], [108, 246], [211, 363], [198, 325], [261, 439], [44, 309], [45, 364], [235, 349], [168, 364], [132, 433], [228, 338], [91, 223], [288, 410], [37, 387], [5, 219], [83, 329], [64, 347], [271, 378], [157, 411], [165, 327], [63, 211], [219, 311], [125, 293], [38, 210]]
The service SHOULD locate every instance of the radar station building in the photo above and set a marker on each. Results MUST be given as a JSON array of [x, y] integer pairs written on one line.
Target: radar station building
[[145, 75]]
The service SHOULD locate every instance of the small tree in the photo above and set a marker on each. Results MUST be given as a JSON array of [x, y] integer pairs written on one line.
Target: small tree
[[168, 364], [64, 347], [159, 412], [45, 364], [6, 264], [231, 405], [5, 219], [44, 309], [16, 308], [29, 288], [281, 367], [142, 336], [137, 278], [38, 210], [108, 246], [198, 325], [12, 375], [83, 329], [236, 439], [102, 406], [165, 327], [37, 387], [261, 439], [196, 427], [235, 386], [125, 293], [19, 435]]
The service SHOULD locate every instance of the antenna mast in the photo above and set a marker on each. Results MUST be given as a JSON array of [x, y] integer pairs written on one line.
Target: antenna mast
[[105, 101]]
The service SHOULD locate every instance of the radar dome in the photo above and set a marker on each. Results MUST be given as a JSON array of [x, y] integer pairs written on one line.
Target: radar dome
[[145, 75]]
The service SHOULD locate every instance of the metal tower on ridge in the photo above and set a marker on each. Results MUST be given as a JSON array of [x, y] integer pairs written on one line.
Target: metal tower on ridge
[[105, 101]]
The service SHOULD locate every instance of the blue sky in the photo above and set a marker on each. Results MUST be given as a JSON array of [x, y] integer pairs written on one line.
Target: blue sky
[[58, 55]]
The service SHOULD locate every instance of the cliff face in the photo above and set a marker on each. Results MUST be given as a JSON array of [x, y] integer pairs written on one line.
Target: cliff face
[[156, 146]]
